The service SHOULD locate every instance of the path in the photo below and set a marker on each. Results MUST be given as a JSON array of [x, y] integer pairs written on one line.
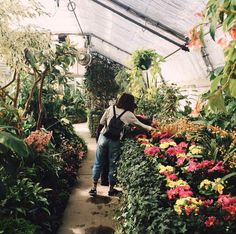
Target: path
[[84, 214]]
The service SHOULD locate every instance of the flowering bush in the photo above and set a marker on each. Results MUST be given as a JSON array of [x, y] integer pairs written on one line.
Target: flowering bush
[[194, 185], [39, 139]]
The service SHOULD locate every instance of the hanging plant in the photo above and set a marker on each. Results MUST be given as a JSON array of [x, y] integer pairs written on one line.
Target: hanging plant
[[145, 65]]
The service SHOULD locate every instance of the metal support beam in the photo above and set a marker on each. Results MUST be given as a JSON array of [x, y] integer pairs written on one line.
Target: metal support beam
[[149, 20], [141, 25], [95, 36], [109, 43]]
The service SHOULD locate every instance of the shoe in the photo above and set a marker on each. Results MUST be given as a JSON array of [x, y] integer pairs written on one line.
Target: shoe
[[93, 192], [114, 192], [104, 183]]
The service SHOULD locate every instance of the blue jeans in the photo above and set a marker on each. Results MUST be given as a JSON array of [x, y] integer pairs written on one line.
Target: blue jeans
[[112, 148]]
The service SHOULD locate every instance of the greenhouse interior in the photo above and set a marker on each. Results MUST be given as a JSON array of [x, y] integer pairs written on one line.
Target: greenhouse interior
[[117, 116]]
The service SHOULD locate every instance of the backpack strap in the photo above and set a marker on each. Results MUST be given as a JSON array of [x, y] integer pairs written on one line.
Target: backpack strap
[[114, 111]]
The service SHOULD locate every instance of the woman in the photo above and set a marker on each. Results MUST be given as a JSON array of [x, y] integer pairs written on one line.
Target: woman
[[106, 145]]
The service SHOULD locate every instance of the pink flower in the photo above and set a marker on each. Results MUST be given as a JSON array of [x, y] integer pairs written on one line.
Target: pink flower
[[211, 220], [152, 151], [206, 163], [171, 151], [172, 177], [188, 210], [180, 161], [183, 193], [166, 140], [208, 202], [218, 167], [192, 166], [165, 134], [183, 144], [172, 193], [226, 200]]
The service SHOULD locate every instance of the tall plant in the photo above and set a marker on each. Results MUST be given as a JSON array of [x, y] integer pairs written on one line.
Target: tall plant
[[100, 81]]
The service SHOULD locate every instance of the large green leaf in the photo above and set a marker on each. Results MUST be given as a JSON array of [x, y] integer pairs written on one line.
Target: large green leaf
[[14, 143], [232, 87], [215, 83], [216, 102]]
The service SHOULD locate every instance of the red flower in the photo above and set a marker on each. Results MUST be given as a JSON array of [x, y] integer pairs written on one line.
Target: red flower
[[211, 220], [152, 151], [172, 177], [141, 136]]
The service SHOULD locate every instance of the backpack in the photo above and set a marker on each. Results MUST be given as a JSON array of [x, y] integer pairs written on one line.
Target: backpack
[[115, 127]]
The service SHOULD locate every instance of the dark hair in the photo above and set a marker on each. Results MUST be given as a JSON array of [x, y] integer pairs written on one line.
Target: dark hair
[[126, 102]]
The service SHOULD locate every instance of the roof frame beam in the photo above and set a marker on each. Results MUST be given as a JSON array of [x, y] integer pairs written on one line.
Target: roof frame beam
[[183, 47], [149, 20], [99, 38]]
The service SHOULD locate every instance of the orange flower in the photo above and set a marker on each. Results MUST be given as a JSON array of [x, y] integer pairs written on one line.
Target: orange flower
[[194, 37], [199, 14], [223, 42], [232, 33]]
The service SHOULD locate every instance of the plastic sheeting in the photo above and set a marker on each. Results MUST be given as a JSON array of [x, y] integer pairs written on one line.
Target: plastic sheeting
[[117, 37]]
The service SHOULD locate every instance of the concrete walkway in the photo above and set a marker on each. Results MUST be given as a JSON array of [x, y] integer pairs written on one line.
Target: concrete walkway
[[85, 214]]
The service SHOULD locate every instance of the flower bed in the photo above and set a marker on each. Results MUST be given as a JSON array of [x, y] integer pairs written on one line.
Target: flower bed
[[34, 194], [175, 184]]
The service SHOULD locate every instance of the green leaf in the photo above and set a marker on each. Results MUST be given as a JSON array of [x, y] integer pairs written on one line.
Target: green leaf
[[216, 102], [213, 28], [229, 22], [14, 143], [218, 70], [232, 87], [215, 83], [228, 176]]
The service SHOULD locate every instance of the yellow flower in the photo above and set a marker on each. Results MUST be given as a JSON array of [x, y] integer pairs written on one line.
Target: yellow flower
[[219, 188], [164, 145], [206, 183], [177, 209], [181, 155], [163, 169], [172, 143], [195, 149], [173, 184]]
